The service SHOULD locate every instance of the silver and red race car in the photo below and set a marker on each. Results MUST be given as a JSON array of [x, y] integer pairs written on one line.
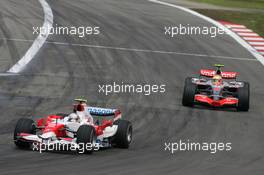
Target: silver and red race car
[[76, 131], [217, 89]]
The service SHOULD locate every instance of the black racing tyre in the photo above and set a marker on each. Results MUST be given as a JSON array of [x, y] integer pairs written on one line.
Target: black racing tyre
[[188, 93], [243, 97], [86, 138], [24, 125], [123, 136]]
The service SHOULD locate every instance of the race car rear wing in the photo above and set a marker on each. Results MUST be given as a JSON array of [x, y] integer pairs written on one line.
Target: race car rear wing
[[211, 73], [104, 112]]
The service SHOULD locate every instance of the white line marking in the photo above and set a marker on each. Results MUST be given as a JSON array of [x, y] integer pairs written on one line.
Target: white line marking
[[39, 41], [253, 51], [235, 26], [257, 43], [259, 48], [247, 34], [7, 74], [253, 38], [242, 30], [134, 50]]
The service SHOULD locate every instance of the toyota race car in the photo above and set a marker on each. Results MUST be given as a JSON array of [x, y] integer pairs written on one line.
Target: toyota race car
[[217, 89], [76, 130]]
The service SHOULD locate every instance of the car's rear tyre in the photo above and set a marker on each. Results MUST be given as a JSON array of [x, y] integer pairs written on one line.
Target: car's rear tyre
[[243, 97], [123, 136], [24, 125], [188, 93], [86, 138]]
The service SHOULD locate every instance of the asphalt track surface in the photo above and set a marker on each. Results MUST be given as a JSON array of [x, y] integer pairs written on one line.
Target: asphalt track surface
[[61, 72]]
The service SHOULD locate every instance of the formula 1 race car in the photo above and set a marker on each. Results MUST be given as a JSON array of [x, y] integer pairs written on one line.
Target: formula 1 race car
[[76, 130], [217, 89]]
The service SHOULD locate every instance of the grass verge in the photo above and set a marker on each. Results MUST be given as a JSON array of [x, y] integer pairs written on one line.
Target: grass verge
[[255, 4]]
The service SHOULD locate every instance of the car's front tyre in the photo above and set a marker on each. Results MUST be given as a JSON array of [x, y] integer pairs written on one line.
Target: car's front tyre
[[188, 92], [86, 138], [243, 97], [23, 125]]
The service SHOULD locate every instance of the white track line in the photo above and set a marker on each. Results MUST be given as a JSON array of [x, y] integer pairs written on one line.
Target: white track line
[[256, 43], [253, 51], [247, 34], [7, 74], [39, 41], [133, 49], [241, 30], [253, 38], [235, 26], [259, 48]]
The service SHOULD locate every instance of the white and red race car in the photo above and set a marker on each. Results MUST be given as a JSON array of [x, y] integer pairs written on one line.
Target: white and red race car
[[80, 134]]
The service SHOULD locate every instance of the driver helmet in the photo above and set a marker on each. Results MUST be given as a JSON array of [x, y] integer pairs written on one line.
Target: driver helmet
[[82, 103], [217, 79]]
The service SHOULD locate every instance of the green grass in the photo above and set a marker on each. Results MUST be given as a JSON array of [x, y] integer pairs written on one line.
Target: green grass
[[255, 4], [254, 21]]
